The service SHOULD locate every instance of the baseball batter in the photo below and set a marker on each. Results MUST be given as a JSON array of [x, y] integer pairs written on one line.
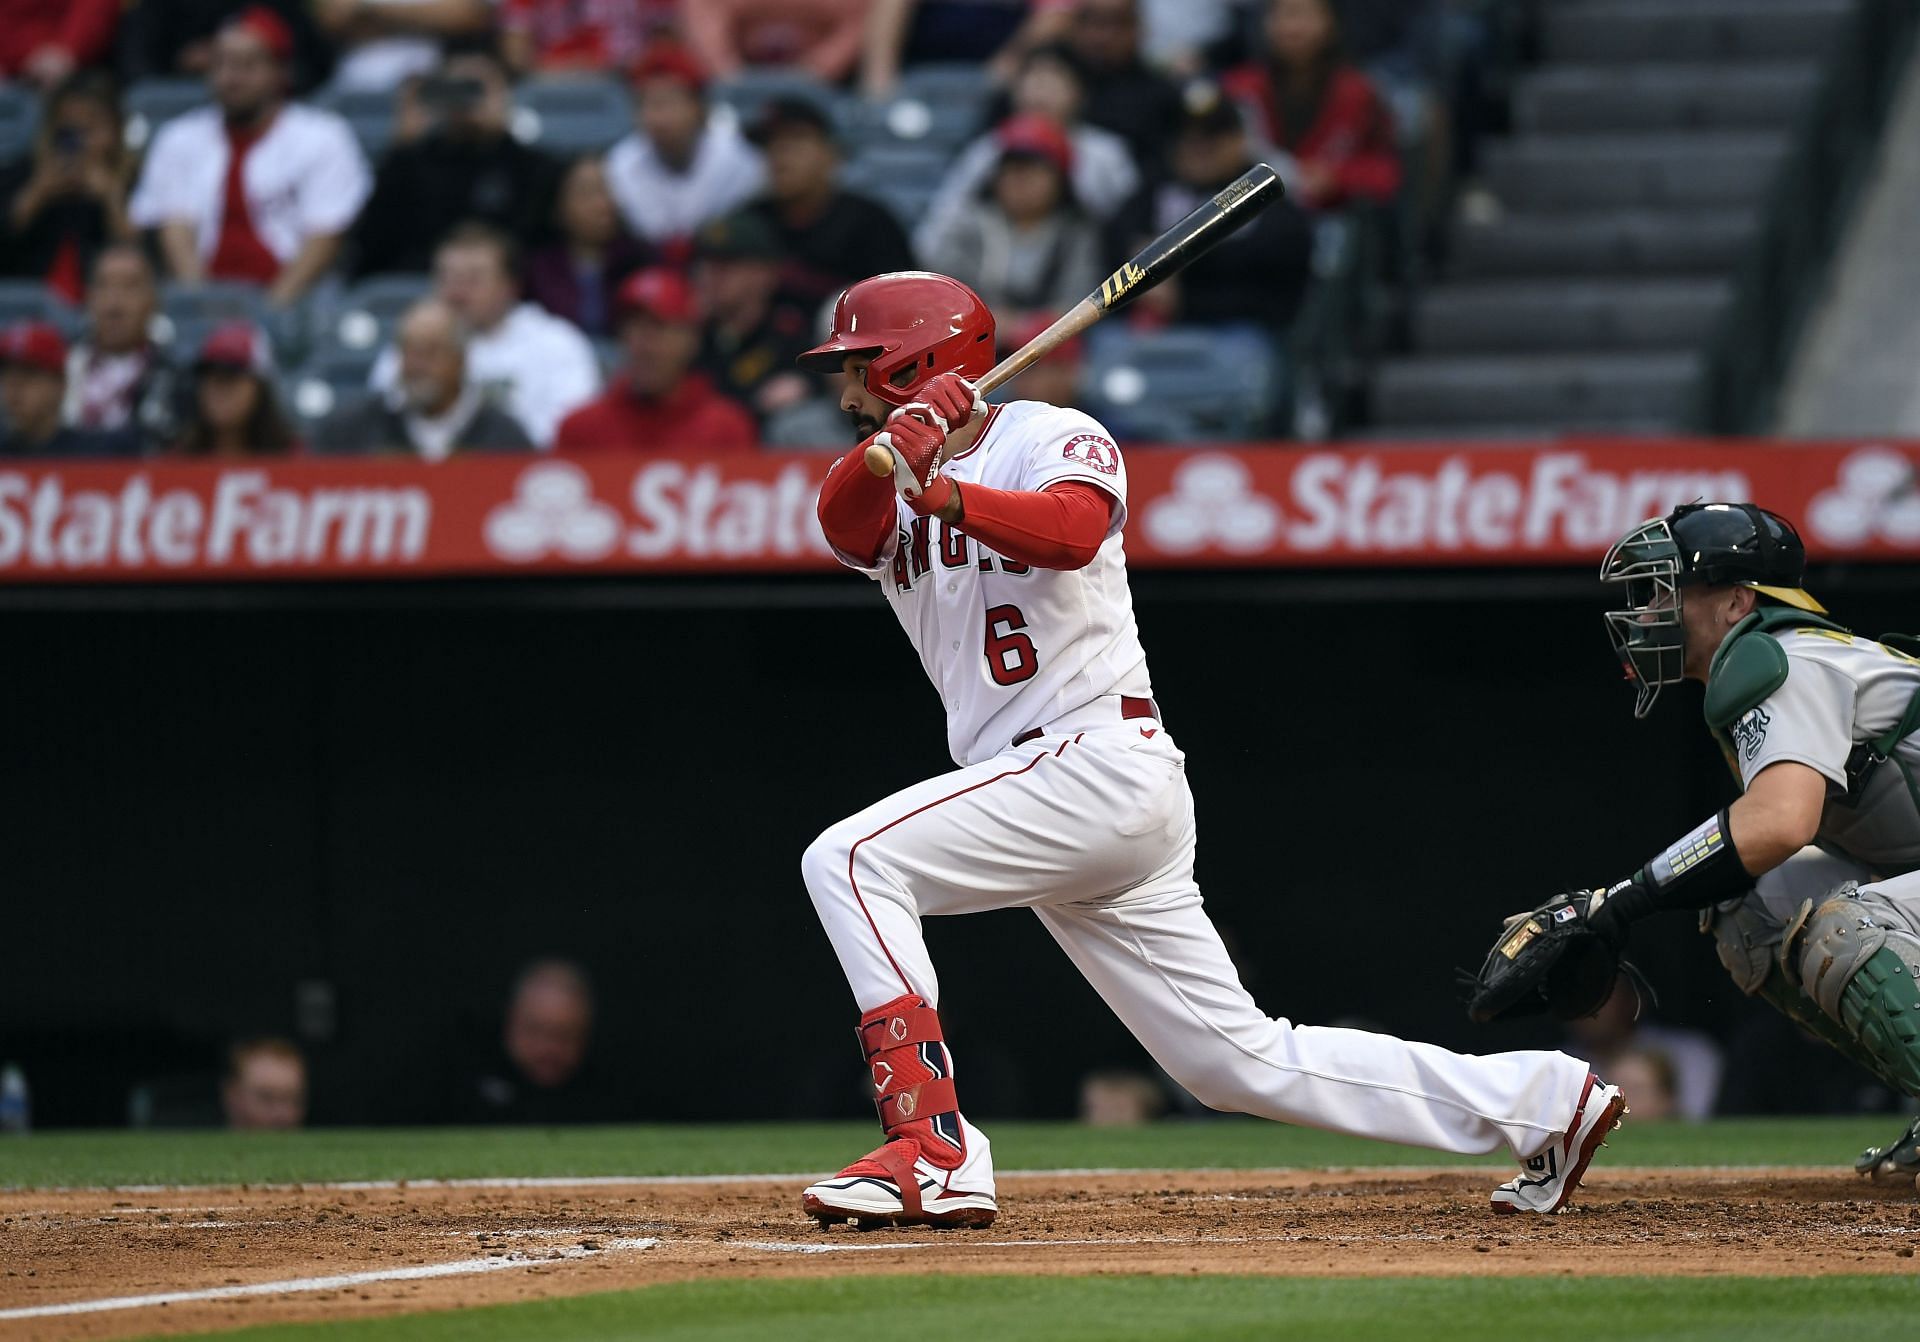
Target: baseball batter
[[998, 544], [1810, 881]]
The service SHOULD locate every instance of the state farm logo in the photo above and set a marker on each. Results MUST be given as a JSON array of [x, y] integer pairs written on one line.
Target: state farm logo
[[553, 511], [1876, 497], [1213, 503]]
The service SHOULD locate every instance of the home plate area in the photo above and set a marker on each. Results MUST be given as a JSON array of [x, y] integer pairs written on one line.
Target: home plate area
[[99, 1264]]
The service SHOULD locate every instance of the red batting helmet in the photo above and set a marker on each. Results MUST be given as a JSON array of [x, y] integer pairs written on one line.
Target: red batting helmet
[[911, 325]]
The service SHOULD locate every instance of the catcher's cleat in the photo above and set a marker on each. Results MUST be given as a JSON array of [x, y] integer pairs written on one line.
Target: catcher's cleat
[[1895, 1163], [1547, 1181], [895, 1186]]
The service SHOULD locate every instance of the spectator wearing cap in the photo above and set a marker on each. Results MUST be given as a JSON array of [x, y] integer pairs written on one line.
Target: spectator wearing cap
[[658, 399], [529, 362], [433, 411], [466, 166], [382, 42], [43, 42], [831, 237], [69, 199], [255, 187], [33, 382], [1024, 244], [682, 167], [755, 333], [233, 412], [171, 39], [118, 377], [1315, 106], [1123, 93], [1256, 274], [1049, 86], [821, 37], [586, 36], [576, 274]]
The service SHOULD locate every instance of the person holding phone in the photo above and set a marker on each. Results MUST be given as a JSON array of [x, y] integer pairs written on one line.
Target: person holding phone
[[70, 199]]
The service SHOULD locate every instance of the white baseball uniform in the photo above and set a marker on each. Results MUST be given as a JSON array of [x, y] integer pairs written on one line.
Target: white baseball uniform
[[1088, 821]]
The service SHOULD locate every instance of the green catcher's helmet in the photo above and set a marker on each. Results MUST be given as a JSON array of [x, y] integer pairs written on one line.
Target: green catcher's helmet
[[1697, 544]]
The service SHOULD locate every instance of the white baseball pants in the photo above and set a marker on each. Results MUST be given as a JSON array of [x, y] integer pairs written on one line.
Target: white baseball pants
[[1094, 831]]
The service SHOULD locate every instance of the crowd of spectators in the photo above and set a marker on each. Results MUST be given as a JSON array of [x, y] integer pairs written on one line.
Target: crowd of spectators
[[652, 294]]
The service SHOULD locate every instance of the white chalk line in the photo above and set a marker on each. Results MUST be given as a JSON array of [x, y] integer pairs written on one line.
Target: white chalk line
[[343, 1281]]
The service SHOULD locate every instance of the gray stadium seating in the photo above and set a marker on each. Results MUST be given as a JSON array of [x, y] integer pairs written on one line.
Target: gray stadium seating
[[1585, 99], [1615, 242], [1585, 172], [747, 92], [19, 117], [150, 103], [31, 300], [902, 176], [1181, 384], [364, 318], [573, 116], [1546, 392], [368, 111], [1556, 314], [1645, 31]]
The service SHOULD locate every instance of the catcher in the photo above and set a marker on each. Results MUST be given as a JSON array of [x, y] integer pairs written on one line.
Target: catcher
[[1810, 881]]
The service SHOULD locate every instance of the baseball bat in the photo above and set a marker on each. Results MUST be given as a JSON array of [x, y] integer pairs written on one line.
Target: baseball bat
[[1242, 198]]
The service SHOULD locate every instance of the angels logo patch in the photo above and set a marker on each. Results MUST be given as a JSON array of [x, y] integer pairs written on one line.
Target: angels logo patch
[[1090, 449], [1749, 732]]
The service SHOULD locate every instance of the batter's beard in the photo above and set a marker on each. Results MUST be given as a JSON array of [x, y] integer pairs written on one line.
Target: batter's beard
[[864, 425]]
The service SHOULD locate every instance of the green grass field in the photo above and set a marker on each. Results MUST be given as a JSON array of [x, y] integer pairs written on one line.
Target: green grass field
[[929, 1307]]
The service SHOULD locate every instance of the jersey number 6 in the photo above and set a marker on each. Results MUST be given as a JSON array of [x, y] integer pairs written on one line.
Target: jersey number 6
[[1011, 657]]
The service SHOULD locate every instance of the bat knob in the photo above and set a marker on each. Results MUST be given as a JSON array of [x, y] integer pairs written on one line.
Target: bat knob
[[879, 460]]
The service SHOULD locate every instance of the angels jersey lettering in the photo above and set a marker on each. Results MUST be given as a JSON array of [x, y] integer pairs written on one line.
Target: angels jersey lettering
[[1011, 648]]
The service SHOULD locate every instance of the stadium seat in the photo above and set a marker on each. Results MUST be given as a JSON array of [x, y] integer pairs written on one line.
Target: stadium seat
[[149, 103], [19, 116], [751, 89], [31, 300], [1182, 384], [189, 311], [368, 111], [366, 314], [570, 117], [903, 176]]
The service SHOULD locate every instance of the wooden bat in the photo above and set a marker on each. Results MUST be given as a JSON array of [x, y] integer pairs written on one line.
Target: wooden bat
[[1248, 194]]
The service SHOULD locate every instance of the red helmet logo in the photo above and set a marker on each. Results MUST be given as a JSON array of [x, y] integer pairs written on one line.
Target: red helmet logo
[[910, 325]]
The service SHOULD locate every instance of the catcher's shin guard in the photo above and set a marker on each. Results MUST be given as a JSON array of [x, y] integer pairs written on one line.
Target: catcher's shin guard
[[1858, 957]]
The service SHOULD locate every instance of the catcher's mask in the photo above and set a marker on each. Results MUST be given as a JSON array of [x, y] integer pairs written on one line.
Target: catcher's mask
[[1697, 544]]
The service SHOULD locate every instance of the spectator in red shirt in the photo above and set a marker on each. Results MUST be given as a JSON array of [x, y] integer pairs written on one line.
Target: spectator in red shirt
[[234, 413], [558, 36], [44, 41], [657, 401], [1319, 109]]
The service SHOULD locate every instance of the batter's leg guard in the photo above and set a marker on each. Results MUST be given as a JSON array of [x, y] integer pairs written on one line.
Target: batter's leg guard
[[1857, 955], [909, 1179]]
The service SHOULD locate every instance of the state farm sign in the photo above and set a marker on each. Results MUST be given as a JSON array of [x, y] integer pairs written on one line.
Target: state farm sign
[[1445, 504]]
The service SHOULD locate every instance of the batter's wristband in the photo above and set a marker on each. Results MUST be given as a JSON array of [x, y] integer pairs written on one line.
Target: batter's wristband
[[1702, 868]]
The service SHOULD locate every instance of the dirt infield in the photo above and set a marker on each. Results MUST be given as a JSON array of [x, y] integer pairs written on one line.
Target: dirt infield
[[467, 1245]]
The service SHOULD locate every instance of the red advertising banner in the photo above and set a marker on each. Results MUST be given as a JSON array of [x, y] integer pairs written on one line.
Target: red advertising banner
[[1454, 504]]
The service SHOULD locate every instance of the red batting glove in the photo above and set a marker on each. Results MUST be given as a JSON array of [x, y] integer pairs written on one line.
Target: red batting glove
[[915, 444], [951, 400]]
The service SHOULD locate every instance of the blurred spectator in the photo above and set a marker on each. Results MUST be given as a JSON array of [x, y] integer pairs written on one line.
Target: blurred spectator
[[70, 199], [1056, 378], [1049, 87], [1025, 246], [33, 382], [42, 42], [433, 411], [381, 42], [822, 37], [682, 167], [1655, 1085], [530, 363], [233, 412], [1318, 108], [265, 1087], [1690, 1061], [166, 39], [254, 188], [538, 1070], [1179, 36], [1120, 1100], [1123, 93], [561, 36], [118, 377], [754, 331], [657, 400], [466, 166], [996, 33], [1257, 273], [831, 237], [575, 276]]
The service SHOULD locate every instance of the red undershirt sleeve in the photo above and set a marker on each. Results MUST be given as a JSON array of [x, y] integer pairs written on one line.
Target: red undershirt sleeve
[[857, 510], [1059, 527]]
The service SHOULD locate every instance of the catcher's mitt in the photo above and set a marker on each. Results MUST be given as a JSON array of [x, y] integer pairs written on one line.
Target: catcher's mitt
[[1552, 959]]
